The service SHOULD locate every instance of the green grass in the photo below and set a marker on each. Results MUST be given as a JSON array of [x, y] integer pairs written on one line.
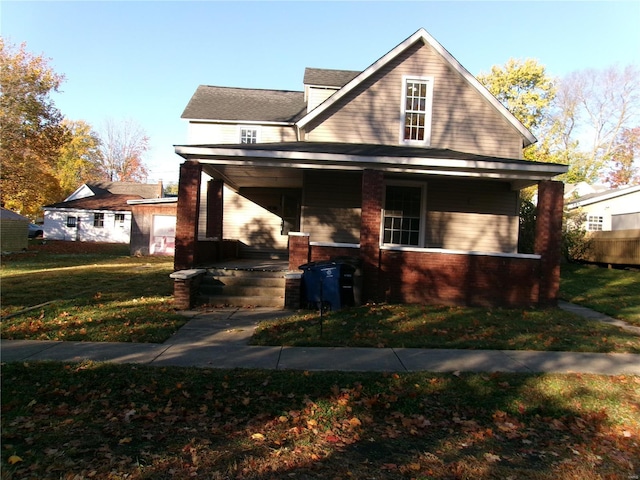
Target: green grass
[[107, 421], [418, 326], [614, 292], [97, 293]]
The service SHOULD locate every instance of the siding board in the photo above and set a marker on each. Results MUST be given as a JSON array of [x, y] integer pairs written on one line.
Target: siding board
[[331, 206], [462, 119]]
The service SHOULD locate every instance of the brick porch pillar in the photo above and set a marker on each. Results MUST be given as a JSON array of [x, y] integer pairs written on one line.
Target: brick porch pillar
[[372, 194], [298, 250], [548, 239], [187, 215]]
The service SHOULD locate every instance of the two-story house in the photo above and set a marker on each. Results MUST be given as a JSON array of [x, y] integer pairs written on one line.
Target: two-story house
[[410, 165]]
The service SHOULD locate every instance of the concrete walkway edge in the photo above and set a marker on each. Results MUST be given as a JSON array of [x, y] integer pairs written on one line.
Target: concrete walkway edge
[[219, 339]]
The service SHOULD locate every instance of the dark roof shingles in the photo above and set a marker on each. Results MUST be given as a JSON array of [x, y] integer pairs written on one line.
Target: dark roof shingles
[[107, 201], [328, 78], [243, 104]]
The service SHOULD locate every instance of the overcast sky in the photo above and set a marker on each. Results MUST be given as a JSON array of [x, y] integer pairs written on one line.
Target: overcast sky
[[143, 60]]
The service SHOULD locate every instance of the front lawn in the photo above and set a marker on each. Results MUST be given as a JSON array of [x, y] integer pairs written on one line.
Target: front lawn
[[418, 326], [102, 421], [92, 292], [614, 292]]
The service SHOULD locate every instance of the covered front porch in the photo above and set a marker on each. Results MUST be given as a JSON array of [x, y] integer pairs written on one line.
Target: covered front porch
[[346, 220]]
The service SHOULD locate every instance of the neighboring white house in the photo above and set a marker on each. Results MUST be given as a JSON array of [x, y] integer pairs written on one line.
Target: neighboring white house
[[617, 209], [96, 212]]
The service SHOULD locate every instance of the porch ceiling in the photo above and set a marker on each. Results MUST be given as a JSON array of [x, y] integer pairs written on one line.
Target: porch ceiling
[[281, 164]]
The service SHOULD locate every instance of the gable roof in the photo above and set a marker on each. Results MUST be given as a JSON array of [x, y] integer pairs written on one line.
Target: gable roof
[[104, 201], [328, 78], [245, 104], [9, 215], [423, 36], [602, 196], [144, 190]]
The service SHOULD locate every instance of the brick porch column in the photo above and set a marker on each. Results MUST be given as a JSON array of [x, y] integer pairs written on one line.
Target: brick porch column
[[372, 194], [187, 215], [298, 250], [548, 239]]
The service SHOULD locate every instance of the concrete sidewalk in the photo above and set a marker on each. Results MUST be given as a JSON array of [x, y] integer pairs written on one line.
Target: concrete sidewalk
[[219, 339]]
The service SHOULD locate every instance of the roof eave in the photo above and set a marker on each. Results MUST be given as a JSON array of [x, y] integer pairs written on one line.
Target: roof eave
[[418, 165]]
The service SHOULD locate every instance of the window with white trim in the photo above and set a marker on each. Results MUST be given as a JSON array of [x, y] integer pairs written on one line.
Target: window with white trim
[[119, 220], [416, 110], [98, 220], [594, 223], [72, 222], [402, 215], [248, 135]]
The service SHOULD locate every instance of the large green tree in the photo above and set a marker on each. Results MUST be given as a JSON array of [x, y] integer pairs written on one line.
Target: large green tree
[[522, 86], [32, 132]]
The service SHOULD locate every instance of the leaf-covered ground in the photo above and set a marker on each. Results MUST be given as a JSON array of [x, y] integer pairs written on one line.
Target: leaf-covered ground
[[113, 422], [423, 326], [87, 291]]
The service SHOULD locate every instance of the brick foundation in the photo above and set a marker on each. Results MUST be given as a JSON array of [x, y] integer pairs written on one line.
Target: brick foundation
[[451, 279]]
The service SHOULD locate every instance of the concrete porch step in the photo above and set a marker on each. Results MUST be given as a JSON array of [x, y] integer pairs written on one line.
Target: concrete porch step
[[242, 287]]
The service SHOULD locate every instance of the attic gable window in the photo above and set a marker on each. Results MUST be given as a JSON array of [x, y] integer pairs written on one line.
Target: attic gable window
[[417, 97], [248, 135]]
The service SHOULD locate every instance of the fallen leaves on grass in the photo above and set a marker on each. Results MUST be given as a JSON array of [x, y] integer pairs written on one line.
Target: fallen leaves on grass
[[107, 421]]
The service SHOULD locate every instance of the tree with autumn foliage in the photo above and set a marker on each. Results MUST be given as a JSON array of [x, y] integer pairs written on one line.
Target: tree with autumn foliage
[[79, 157], [32, 132], [624, 166], [122, 152]]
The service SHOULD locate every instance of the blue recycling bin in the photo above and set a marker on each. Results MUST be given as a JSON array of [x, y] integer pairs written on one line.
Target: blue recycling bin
[[327, 285]]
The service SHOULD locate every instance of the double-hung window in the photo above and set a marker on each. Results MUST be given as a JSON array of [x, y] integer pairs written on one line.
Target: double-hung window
[[402, 215], [248, 135], [417, 97], [98, 220], [119, 220]]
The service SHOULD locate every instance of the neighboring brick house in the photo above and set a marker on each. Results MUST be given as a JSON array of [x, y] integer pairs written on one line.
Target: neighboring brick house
[[411, 165], [97, 212]]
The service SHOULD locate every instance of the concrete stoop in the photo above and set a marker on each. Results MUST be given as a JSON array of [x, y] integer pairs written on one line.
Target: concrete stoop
[[242, 287]]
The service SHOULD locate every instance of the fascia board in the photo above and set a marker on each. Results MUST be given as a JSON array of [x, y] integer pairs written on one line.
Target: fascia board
[[423, 35], [601, 198], [356, 162], [238, 122]]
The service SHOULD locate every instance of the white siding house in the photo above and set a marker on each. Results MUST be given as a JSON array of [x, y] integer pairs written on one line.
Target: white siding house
[[96, 213]]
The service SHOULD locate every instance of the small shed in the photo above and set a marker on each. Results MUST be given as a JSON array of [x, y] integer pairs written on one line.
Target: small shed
[[153, 226], [14, 231]]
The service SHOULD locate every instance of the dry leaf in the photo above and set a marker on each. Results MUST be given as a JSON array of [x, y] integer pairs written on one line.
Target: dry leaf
[[257, 436], [13, 459]]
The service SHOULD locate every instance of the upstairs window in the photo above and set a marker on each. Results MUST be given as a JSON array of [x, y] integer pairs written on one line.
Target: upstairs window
[[401, 216], [248, 135], [416, 110], [98, 220]]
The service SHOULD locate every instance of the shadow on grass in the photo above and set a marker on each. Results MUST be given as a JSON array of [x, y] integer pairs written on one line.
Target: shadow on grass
[[106, 421], [416, 326]]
